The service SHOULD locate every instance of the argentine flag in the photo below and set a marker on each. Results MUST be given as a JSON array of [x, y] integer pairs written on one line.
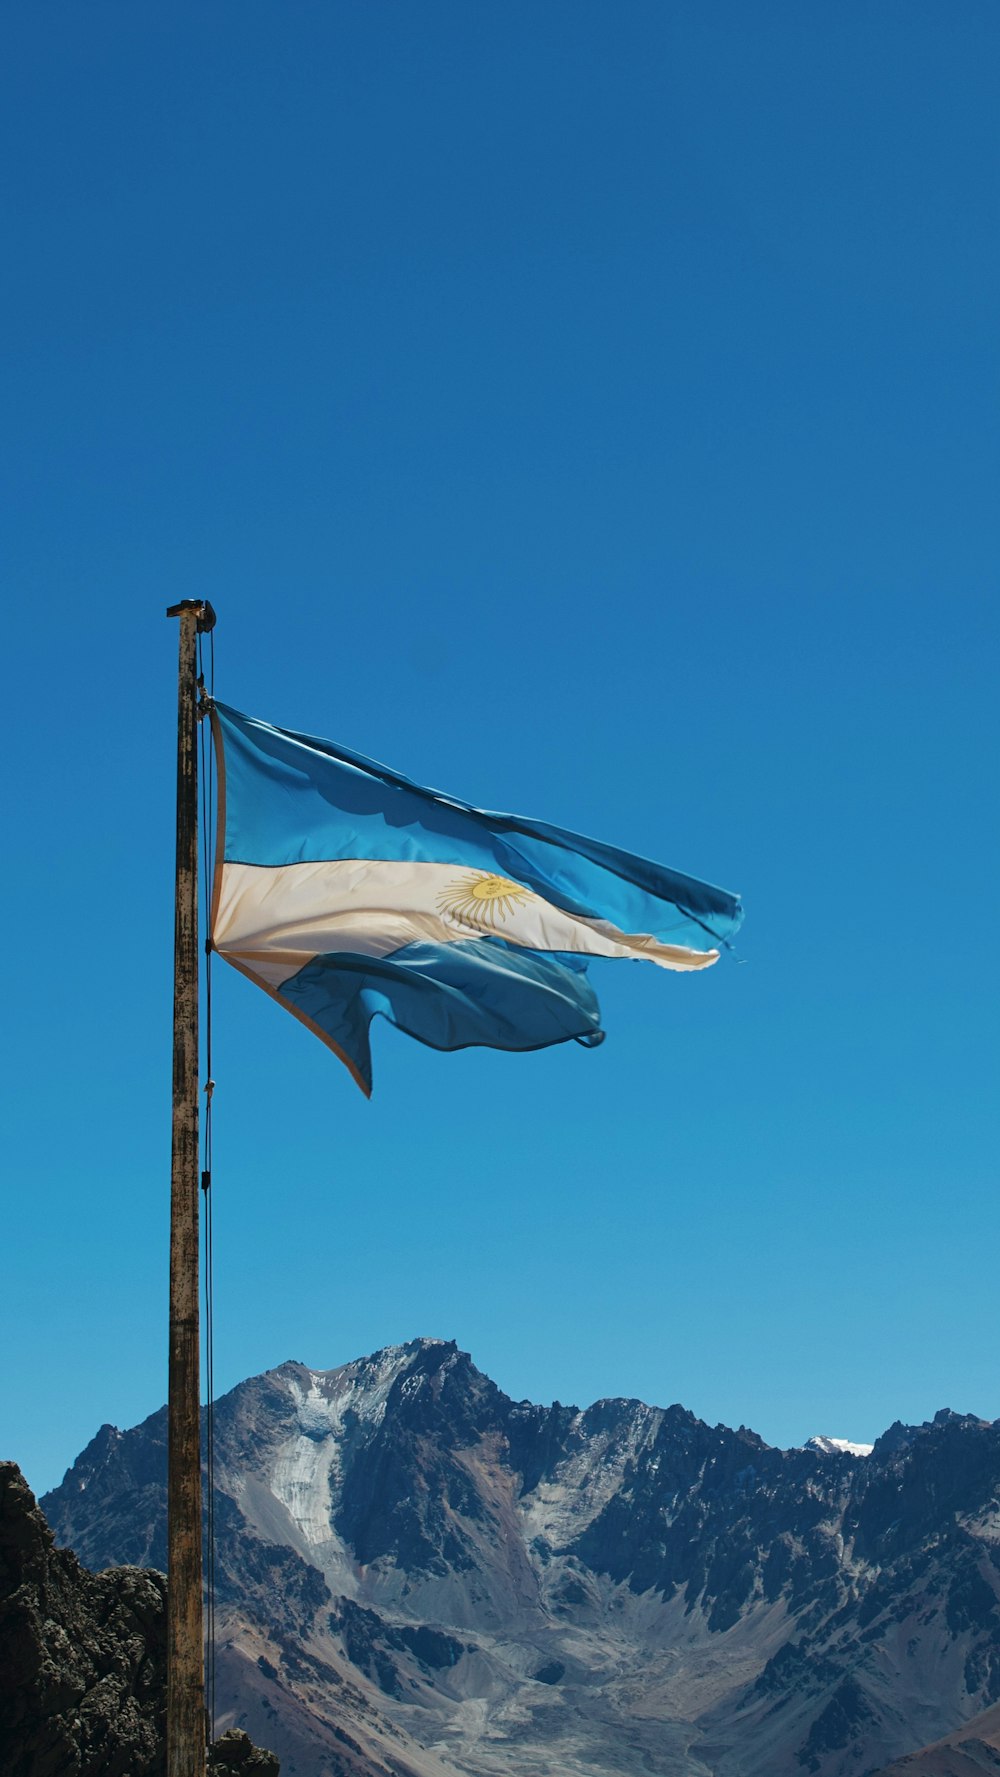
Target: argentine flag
[[346, 891]]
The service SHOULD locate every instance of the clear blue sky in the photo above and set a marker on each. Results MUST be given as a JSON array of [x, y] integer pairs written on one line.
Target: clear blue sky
[[591, 410]]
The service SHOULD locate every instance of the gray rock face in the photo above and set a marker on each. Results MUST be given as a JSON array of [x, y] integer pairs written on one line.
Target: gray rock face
[[420, 1575]]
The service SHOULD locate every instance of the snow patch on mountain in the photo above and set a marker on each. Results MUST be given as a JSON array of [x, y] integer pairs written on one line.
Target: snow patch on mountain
[[304, 1465], [837, 1447], [308, 1468]]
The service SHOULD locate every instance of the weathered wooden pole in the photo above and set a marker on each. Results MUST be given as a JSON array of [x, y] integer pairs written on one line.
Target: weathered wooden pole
[[185, 1648]]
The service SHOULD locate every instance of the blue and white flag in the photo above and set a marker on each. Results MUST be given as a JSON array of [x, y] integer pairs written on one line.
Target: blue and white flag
[[347, 891]]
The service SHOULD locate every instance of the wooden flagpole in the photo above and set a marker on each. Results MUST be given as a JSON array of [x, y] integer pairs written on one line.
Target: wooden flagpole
[[185, 1641]]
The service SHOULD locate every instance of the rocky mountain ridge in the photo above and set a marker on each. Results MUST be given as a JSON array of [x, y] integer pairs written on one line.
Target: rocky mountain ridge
[[455, 1581]]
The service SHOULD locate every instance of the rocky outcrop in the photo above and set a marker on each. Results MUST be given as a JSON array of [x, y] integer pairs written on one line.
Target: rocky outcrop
[[83, 1660], [235, 1755], [82, 1675]]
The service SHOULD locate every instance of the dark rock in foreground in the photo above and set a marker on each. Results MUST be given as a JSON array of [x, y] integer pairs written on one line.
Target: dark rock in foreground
[[82, 1678], [235, 1755], [83, 1660]]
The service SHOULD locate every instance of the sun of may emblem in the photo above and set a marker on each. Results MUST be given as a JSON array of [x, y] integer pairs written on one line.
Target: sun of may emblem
[[480, 900]]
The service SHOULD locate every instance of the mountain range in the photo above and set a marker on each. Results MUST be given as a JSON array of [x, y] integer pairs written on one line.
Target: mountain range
[[418, 1576]]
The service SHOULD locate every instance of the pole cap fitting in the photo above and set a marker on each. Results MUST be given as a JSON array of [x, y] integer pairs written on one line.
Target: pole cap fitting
[[205, 613]]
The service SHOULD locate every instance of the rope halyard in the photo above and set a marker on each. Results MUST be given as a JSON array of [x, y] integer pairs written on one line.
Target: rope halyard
[[207, 778]]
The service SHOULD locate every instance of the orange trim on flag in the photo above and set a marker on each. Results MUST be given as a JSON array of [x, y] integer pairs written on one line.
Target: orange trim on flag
[[303, 1018]]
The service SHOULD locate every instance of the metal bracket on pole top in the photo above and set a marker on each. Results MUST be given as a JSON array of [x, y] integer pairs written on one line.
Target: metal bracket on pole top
[[205, 611]]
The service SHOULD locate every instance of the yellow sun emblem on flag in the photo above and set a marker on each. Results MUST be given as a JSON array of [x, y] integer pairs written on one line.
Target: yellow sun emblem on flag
[[480, 900]]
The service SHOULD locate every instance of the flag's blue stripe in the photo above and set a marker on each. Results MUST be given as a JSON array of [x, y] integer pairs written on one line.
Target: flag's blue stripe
[[291, 799], [450, 996]]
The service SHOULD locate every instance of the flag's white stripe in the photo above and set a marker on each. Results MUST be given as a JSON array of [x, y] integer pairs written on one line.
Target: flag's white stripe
[[283, 915]]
